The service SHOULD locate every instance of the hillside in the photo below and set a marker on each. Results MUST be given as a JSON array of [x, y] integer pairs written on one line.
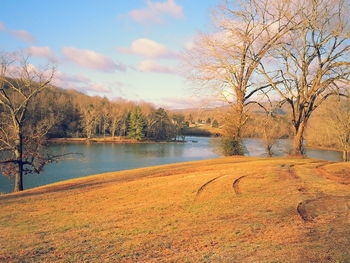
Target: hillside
[[234, 209]]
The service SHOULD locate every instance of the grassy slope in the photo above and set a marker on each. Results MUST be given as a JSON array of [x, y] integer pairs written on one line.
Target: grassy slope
[[188, 212]]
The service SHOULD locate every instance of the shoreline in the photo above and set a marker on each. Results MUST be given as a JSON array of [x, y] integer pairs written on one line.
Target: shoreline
[[323, 148]]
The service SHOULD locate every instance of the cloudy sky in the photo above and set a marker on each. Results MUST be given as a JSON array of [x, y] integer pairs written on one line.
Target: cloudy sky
[[111, 48]]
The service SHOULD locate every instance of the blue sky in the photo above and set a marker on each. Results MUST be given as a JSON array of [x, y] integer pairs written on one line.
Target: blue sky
[[110, 48]]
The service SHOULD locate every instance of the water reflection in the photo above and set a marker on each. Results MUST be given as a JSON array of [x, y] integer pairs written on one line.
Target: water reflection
[[256, 147], [282, 147], [154, 150], [324, 154]]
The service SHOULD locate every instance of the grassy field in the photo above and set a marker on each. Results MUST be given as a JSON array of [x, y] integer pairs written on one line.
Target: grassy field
[[234, 209]]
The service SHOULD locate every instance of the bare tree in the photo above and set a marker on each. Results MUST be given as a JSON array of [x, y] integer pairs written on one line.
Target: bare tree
[[339, 117], [273, 127], [20, 144], [225, 62], [313, 62], [105, 115], [119, 115], [116, 117], [89, 113]]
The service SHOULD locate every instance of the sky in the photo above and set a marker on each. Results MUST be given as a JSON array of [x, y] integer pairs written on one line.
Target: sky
[[112, 48]]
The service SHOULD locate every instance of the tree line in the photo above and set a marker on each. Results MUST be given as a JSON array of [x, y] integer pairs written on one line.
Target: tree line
[[78, 115]]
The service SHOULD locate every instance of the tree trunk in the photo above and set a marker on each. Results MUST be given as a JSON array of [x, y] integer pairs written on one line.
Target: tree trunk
[[88, 133], [241, 117], [104, 127], [345, 156], [19, 164], [113, 128], [19, 177], [298, 147]]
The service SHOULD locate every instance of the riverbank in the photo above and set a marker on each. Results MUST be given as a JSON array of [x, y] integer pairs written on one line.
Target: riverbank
[[118, 139], [234, 209], [203, 130], [323, 148]]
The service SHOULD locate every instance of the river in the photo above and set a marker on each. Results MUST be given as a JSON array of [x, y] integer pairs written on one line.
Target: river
[[108, 157]]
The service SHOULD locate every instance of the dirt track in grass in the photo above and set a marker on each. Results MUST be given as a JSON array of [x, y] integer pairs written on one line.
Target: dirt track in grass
[[235, 209]]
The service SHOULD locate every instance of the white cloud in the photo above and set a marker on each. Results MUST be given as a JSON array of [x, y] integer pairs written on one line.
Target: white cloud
[[17, 71], [91, 59], [148, 48], [44, 52], [23, 35], [153, 66], [186, 102], [68, 81], [19, 34], [155, 12], [63, 80], [98, 88], [79, 82]]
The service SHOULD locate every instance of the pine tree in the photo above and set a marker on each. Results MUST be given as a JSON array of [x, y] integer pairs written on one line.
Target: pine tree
[[160, 127], [136, 125]]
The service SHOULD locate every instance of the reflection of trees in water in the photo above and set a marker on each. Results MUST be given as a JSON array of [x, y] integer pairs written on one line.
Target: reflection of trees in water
[[156, 150], [282, 147]]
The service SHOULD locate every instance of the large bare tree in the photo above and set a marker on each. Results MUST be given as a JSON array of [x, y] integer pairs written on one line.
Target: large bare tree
[[225, 61], [20, 142], [313, 63]]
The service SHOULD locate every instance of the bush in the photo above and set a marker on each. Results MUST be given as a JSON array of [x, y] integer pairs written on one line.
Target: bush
[[231, 146]]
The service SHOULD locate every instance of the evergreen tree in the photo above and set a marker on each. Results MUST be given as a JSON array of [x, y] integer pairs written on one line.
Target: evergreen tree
[[161, 127], [215, 124], [136, 125]]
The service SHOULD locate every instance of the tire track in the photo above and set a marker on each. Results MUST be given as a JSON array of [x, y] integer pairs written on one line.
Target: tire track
[[200, 190], [302, 212], [235, 185]]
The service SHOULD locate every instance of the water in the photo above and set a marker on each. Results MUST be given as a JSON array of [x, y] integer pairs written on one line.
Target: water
[[107, 157], [282, 147]]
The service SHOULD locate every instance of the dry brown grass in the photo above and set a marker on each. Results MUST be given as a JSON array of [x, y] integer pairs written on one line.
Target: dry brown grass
[[158, 214]]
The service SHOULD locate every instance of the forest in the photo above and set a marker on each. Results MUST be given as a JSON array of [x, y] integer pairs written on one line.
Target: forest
[[76, 115]]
